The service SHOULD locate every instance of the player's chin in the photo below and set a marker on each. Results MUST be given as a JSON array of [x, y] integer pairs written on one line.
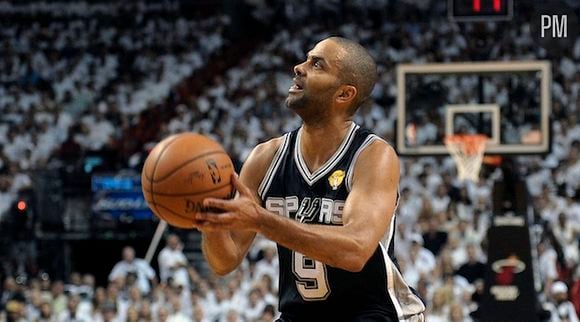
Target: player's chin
[[294, 101]]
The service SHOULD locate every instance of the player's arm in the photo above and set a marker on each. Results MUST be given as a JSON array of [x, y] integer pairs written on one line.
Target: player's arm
[[225, 250], [367, 214]]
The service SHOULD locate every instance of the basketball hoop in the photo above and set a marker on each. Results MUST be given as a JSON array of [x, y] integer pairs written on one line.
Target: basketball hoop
[[467, 153]]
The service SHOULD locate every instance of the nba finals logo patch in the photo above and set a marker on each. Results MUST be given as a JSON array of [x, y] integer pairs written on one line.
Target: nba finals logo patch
[[336, 178]]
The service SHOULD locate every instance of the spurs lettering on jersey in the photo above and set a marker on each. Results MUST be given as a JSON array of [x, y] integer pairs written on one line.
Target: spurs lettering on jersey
[[308, 210]]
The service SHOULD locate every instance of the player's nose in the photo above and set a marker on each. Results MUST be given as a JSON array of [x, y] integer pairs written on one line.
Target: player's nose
[[299, 70]]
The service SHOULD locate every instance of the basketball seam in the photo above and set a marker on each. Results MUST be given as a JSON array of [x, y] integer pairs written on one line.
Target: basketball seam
[[187, 194], [153, 172], [178, 167]]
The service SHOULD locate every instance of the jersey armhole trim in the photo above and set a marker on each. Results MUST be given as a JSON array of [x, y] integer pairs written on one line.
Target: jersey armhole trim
[[350, 172], [412, 308], [273, 168]]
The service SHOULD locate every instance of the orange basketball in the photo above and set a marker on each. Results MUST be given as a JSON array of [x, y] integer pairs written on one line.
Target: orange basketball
[[180, 172]]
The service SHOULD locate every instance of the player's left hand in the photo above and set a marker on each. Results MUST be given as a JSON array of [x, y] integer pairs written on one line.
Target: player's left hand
[[240, 213]]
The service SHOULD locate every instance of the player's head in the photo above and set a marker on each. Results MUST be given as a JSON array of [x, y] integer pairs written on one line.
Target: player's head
[[337, 77]]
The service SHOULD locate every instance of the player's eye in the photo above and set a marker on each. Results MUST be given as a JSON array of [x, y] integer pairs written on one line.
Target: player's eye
[[317, 64]]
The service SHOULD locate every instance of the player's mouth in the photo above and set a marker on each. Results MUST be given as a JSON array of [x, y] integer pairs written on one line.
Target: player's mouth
[[296, 87]]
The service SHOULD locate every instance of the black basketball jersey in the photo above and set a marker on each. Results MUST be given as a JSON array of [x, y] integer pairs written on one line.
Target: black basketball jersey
[[310, 290]]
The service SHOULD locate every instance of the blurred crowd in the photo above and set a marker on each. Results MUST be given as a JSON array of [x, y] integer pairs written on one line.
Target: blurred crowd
[[75, 78], [69, 87], [135, 293]]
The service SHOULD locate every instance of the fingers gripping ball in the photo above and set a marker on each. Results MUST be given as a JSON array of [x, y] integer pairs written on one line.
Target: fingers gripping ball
[[180, 172]]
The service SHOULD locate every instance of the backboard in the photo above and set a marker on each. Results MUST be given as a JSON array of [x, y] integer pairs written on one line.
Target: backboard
[[507, 101]]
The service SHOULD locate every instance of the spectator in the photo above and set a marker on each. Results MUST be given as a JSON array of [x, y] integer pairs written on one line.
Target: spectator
[[438, 311], [46, 313], [173, 263], [15, 311], [162, 315], [269, 264], [560, 308], [75, 282], [232, 316], [32, 308], [59, 299], [139, 267], [87, 287], [177, 315], [474, 269], [566, 231], [547, 258], [434, 239], [135, 297], [71, 314], [255, 306], [456, 314], [268, 314], [98, 303], [419, 257], [9, 291], [132, 314], [222, 304], [440, 201], [109, 312], [199, 315], [145, 312]]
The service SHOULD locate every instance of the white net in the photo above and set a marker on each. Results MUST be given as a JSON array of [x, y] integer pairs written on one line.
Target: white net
[[467, 153]]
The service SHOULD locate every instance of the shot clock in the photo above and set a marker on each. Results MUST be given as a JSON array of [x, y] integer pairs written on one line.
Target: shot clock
[[480, 10]]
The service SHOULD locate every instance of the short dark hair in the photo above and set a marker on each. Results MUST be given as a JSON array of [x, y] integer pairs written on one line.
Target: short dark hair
[[358, 68]]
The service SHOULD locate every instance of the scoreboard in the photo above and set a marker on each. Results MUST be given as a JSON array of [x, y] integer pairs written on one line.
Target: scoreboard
[[480, 10]]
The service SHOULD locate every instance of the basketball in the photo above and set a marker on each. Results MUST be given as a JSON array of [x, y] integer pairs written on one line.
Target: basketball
[[180, 172]]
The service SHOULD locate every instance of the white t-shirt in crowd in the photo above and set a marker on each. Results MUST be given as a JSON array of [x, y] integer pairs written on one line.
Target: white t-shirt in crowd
[[138, 266], [169, 258]]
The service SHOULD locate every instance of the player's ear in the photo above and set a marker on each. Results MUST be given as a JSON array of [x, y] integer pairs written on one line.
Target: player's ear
[[346, 93]]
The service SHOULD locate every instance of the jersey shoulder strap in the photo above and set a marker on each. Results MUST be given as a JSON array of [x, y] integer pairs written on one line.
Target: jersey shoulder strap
[[275, 164], [366, 138]]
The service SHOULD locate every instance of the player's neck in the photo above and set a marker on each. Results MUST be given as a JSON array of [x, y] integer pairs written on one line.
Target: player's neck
[[320, 141]]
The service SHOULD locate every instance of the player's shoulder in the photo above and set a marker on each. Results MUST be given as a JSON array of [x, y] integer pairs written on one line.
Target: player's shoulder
[[264, 152], [270, 146], [259, 160], [378, 148], [378, 159]]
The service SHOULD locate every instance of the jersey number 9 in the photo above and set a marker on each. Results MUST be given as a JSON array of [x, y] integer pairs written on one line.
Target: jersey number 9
[[311, 278]]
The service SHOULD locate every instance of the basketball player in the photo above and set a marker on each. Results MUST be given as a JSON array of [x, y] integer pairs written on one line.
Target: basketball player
[[327, 194]]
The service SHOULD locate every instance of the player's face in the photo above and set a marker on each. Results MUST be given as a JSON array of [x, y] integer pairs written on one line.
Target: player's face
[[316, 79]]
